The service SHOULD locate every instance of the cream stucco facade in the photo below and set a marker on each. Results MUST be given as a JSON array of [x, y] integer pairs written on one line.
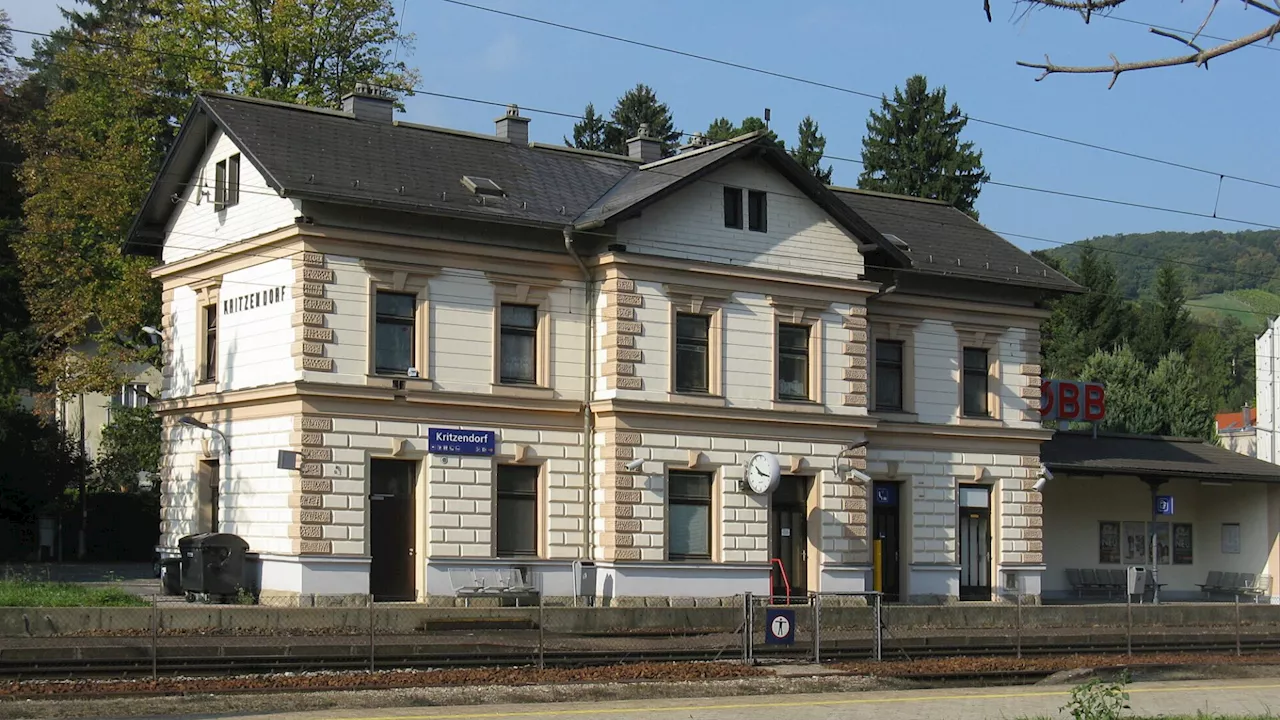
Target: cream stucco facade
[[602, 426]]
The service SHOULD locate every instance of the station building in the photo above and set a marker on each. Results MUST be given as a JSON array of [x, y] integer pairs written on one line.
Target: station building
[[697, 375]]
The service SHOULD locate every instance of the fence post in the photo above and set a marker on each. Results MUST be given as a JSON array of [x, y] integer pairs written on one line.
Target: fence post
[[877, 640], [372, 644], [1237, 604], [817, 629], [542, 645], [1019, 636], [746, 628], [1128, 632], [155, 639]]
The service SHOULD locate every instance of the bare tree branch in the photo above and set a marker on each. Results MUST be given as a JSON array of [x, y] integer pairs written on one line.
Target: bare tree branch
[[1200, 29], [1263, 7], [1116, 67], [1190, 43]]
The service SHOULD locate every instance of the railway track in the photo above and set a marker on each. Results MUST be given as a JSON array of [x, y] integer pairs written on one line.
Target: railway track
[[245, 664]]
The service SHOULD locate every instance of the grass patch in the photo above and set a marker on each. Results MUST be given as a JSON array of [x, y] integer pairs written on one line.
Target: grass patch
[[29, 593]]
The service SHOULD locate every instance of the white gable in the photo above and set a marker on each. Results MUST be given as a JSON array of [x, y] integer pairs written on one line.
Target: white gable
[[196, 227], [801, 236]]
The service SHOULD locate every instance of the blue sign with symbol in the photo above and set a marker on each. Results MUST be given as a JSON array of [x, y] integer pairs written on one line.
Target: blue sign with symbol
[[1164, 504], [780, 627], [443, 441], [886, 494]]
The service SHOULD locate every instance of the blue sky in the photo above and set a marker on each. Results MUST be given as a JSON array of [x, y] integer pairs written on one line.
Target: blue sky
[[1222, 119]]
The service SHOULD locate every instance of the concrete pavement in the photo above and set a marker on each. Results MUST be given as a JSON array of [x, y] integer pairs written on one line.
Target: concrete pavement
[[1246, 697]]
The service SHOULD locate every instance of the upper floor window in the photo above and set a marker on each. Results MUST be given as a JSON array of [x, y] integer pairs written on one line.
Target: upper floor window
[[976, 376], [889, 356], [757, 211], [693, 362], [518, 351], [210, 370], [132, 395], [733, 208], [226, 183], [516, 511], [793, 362], [393, 333], [688, 516]]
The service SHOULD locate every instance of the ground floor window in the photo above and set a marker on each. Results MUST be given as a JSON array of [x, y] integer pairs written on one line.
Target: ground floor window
[[516, 514], [689, 516]]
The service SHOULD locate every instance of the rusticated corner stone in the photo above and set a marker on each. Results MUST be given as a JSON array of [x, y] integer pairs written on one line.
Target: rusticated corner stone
[[312, 547], [322, 424], [322, 364], [319, 275], [320, 305], [319, 454], [312, 470], [316, 517], [630, 383], [626, 497], [310, 501], [312, 259], [312, 485], [312, 438]]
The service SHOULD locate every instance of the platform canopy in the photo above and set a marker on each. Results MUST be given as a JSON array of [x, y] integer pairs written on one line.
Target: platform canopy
[[1151, 456]]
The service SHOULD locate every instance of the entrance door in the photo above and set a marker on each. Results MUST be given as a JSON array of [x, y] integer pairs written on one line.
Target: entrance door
[[886, 530], [391, 536], [975, 542], [789, 537]]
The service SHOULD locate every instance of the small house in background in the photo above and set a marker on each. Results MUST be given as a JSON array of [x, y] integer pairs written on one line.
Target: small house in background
[[1238, 431]]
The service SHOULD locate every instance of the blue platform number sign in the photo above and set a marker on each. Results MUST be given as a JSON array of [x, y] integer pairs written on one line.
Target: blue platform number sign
[[1164, 504], [444, 441], [780, 627]]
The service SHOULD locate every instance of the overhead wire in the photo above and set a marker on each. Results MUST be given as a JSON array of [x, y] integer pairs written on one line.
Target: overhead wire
[[851, 91]]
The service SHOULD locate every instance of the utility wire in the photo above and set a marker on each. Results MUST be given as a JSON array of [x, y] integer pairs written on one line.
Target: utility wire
[[851, 91]]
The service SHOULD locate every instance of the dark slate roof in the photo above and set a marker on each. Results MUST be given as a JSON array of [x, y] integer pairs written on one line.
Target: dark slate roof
[[330, 155], [1150, 455], [939, 235]]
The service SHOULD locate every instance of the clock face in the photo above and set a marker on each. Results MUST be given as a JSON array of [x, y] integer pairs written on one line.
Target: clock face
[[762, 473]]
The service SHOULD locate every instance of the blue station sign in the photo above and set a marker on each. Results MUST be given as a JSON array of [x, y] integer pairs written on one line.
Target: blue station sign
[[780, 627], [445, 441], [1164, 504], [886, 495]]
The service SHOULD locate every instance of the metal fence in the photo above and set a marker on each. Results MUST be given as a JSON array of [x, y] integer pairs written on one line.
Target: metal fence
[[352, 633]]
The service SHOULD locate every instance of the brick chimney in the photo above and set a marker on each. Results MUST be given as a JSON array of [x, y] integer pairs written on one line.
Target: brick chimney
[[512, 127], [643, 147], [369, 102]]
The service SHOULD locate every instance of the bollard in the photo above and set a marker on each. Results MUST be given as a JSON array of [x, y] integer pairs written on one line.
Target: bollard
[[155, 640], [542, 663]]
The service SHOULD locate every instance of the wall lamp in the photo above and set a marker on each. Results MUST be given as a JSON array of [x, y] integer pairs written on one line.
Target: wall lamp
[[192, 422]]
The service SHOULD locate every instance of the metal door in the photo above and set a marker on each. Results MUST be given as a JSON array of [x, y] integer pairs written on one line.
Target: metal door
[[391, 530], [789, 537], [886, 522], [975, 543]]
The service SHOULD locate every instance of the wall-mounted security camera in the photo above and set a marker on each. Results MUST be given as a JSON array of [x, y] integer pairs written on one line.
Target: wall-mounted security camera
[[854, 474], [411, 372], [1044, 477], [1039, 484], [635, 465]]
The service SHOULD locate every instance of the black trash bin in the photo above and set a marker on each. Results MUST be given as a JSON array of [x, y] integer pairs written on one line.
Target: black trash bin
[[212, 565], [171, 576]]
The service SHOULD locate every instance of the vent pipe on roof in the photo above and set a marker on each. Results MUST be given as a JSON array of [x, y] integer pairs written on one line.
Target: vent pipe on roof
[[644, 147], [513, 128], [370, 102]]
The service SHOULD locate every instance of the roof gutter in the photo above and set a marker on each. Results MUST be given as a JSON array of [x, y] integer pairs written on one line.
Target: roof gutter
[[886, 289], [588, 542]]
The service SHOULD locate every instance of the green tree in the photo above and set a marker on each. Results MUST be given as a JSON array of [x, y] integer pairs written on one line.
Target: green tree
[[130, 445], [721, 129], [40, 464], [1185, 411], [810, 145], [591, 132], [16, 341], [1164, 324], [94, 148], [1082, 324], [913, 147], [638, 106], [1132, 406]]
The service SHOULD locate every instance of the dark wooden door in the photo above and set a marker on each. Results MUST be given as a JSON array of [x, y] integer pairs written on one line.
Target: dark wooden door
[[391, 530], [789, 537], [975, 543], [886, 521]]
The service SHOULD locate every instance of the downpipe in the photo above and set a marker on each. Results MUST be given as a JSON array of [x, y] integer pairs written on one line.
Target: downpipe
[[588, 549]]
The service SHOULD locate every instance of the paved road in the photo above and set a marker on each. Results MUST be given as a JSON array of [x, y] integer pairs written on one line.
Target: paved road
[[1257, 697]]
